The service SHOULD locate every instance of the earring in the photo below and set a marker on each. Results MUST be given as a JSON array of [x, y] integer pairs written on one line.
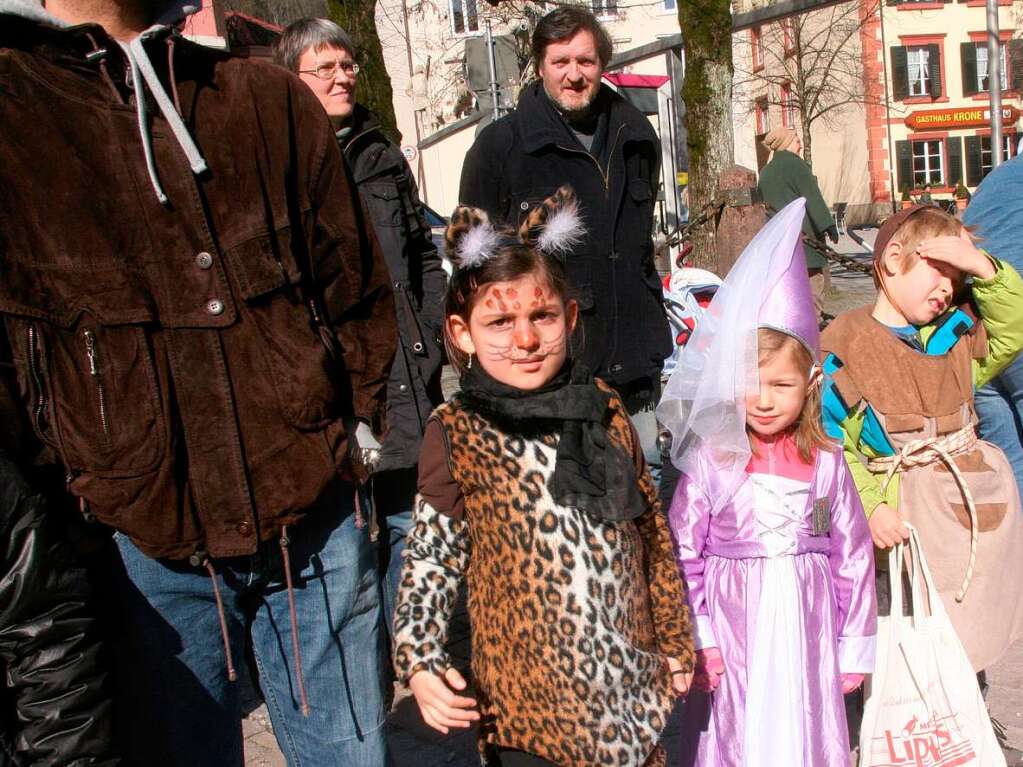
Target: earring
[[469, 366]]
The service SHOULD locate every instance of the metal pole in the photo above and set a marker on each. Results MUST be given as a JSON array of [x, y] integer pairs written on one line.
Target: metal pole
[[994, 82], [494, 93], [415, 115]]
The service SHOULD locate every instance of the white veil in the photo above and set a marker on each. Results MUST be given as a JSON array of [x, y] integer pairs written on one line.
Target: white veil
[[704, 402]]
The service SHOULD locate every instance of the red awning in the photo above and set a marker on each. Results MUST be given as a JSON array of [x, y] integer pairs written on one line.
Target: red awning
[[623, 80]]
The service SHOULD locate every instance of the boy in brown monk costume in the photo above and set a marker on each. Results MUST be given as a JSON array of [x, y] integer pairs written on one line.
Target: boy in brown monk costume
[[900, 378]]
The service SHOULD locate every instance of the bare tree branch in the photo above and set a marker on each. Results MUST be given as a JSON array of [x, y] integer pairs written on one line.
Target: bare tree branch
[[822, 69]]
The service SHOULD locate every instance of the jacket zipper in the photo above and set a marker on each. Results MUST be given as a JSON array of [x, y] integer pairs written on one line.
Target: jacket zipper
[[39, 406], [90, 350], [605, 177]]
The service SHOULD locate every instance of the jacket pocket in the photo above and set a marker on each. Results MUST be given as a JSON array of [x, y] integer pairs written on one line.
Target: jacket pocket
[[301, 355], [85, 367], [524, 202], [382, 199]]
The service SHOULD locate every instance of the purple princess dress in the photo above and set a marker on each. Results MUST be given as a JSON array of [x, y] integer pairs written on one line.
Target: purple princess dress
[[776, 553], [781, 581]]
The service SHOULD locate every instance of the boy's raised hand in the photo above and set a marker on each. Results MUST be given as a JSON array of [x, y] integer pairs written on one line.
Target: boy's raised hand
[[959, 252], [442, 708], [887, 527]]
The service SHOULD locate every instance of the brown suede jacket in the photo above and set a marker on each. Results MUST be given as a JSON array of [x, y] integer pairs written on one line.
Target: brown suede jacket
[[189, 363]]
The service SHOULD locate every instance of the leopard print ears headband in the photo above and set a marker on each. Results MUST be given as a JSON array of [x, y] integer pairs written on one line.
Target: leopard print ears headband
[[553, 227]]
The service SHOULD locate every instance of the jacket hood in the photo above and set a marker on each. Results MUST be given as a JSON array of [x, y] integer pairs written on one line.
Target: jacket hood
[[143, 75], [30, 9], [33, 10]]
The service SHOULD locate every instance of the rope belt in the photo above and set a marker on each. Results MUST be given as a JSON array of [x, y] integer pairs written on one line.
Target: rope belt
[[922, 452]]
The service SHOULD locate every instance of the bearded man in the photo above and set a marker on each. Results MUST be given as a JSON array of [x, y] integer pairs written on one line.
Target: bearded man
[[569, 128]]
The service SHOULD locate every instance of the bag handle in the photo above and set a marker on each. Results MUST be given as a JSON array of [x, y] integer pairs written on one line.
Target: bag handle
[[918, 570]]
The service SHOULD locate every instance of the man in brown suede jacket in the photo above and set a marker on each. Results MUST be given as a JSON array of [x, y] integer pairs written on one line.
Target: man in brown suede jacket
[[199, 317]]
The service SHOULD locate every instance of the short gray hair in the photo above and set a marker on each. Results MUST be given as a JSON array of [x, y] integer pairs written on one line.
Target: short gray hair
[[304, 34]]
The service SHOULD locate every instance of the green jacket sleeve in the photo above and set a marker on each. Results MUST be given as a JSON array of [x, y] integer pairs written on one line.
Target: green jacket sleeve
[[1000, 301], [867, 483]]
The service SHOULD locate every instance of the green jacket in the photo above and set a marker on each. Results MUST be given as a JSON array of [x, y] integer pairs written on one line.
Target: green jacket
[[786, 177]]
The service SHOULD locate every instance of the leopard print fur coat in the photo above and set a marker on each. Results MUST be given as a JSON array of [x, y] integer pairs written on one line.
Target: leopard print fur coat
[[571, 618]]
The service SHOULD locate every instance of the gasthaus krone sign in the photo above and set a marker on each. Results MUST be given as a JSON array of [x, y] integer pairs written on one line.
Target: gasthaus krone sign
[[957, 117]]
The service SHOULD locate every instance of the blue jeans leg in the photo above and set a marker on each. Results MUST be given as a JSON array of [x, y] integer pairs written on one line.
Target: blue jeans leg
[[395, 493], [337, 602], [174, 704], [1000, 408]]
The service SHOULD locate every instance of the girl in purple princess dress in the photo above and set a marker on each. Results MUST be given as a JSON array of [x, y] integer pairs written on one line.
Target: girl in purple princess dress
[[770, 533]]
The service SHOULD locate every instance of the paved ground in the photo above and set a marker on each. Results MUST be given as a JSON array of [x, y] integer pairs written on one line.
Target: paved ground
[[412, 744]]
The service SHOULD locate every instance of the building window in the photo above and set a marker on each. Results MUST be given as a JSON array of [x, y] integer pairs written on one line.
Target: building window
[[927, 163], [669, 5], [985, 153], [918, 62], [756, 39], [604, 8], [763, 121], [788, 106], [464, 18], [982, 68], [788, 33]]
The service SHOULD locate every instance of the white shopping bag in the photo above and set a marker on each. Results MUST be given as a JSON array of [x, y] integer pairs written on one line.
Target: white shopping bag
[[923, 706]]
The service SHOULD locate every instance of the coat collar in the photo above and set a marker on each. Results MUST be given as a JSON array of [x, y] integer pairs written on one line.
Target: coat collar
[[544, 126], [363, 123]]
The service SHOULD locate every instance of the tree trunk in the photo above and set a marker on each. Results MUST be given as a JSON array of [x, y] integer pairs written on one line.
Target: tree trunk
[[807, 138], [358, 18], [707, 94]]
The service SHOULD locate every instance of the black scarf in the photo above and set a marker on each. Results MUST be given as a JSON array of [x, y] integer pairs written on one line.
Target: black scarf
[[591, 473]]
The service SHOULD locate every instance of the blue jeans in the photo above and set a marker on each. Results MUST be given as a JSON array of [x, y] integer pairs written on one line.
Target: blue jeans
[[394, 495], [1000, 407], [176, 705]]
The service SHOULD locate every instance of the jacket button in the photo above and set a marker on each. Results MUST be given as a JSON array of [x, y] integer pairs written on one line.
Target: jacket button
[[397, 285], [244, 528], [417, 347], [204, 260], [403, 387], [616, 368], [215, 307], [524, 205]]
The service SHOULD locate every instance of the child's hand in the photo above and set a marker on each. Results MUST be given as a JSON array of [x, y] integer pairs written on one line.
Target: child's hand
[[680, 679], [441, 707], [709, 668], [959, 253], [887, 527], [851, 682]]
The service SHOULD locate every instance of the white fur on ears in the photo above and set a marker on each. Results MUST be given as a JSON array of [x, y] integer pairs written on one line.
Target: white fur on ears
[[477, 245], [563, 230]]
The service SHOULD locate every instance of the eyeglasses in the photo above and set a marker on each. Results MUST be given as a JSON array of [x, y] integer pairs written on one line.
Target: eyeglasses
[[328, 69]]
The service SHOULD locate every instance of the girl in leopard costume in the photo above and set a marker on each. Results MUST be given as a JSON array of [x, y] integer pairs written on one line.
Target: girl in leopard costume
[[533, 489]]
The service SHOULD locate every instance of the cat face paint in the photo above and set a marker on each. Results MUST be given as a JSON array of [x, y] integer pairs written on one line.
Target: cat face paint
[[519, 331]]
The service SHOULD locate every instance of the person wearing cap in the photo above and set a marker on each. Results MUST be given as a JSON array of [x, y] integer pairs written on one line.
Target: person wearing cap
[[788, 176], [899, 389]]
